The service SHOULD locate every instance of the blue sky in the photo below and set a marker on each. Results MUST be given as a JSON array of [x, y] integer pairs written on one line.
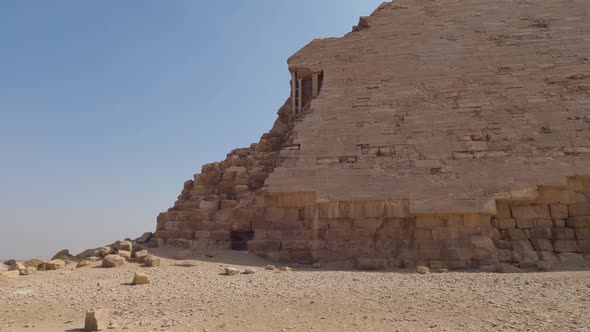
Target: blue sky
[[107, 107]]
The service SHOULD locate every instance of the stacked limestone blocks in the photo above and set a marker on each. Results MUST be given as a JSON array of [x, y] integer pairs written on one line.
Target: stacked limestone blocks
[[220, 199], [552, 224], [296, 228]]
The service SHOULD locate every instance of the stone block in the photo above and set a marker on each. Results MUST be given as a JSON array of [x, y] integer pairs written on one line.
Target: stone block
[[174, 235], [200, 215], [508, 223], [371, 224], [504, 244], [584, 246], [476, 220], [562, 246], [429, 252], [579, 210], [421, 235], [426, 221], [96, 320], [371, 264], [396, 209], [221, 235], [541, 223], [542, 244], [209, 205], [583, 234], [241, 226], [563, 234], [261, 224], [541, 233], [178, 227], [329, 210], [559, 223], [569, 257], [578, 222], [201, 235], [555, 196], [220, 245], [296, 199], [274, 214], [515, 234], [548, 256], [292, 215], [559, 211], [525, 223], [531, 212], [503, 211], [261, 246], [457, 254], [224, 215], [504, 255]]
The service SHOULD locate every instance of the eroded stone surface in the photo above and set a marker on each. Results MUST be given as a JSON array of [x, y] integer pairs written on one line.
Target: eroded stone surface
[[409, 144]]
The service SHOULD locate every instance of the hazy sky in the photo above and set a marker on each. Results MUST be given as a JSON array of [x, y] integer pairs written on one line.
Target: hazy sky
[[107, 107]]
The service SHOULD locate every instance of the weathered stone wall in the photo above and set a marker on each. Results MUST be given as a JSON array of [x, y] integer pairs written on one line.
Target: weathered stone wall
[[547, 224], [220, 199], [456, 148]]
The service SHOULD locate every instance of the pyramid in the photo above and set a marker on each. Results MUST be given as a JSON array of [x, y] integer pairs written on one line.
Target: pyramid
[[449, 133]]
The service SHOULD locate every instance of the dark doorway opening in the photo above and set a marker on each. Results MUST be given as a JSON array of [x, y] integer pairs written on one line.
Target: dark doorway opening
[[239, 240]]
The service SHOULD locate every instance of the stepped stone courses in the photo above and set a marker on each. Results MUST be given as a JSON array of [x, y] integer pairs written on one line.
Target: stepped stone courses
[[452, 134]]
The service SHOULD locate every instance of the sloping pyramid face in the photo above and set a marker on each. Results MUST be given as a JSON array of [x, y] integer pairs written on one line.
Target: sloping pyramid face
[[453, 133]]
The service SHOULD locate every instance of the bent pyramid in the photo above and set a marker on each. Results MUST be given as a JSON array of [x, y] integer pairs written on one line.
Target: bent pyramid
[[450, 133]]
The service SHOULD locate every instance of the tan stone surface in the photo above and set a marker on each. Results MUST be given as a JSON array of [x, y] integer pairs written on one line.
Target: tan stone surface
[[474, 99]]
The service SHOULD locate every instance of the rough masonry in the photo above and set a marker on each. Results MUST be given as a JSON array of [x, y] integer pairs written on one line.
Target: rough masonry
[[449, 133]]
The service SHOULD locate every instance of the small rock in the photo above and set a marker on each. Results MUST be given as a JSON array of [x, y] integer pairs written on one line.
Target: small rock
[[230, 271], [63, 255], [141, 255], [317, 265], [113, 261], [270, 267], [442, 270], [16, 267], [422, 270], [35, 262], [285, 269], [88, 253], [249, 271], [182, 255], [152, 261], [140, 279], [83, 263], [105, 251], [125, 245], [145, 237], [125, 254], [28, 271], [54, 264], [96, 320]]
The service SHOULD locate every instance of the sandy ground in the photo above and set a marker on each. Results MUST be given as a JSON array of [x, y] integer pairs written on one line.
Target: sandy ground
[[198, 298]]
